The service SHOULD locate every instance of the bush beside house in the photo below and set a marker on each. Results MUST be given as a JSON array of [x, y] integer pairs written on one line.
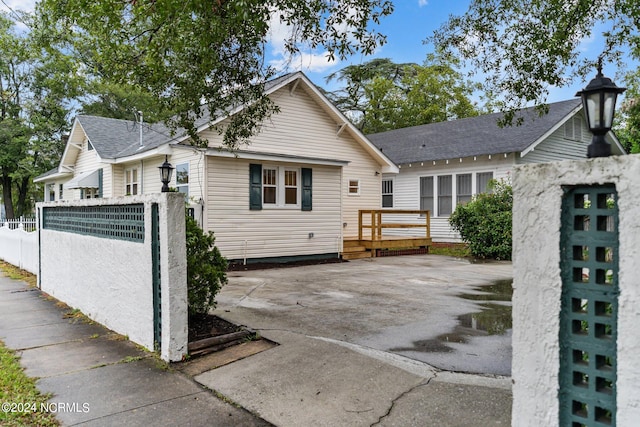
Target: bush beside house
[[485, 222]]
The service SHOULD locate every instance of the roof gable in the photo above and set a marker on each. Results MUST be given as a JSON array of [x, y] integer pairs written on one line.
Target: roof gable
[[472, 136]]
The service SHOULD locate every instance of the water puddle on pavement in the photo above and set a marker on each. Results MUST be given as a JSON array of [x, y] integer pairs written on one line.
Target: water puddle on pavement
[[493, 319]]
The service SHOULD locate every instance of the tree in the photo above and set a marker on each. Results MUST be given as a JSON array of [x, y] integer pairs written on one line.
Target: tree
[[380, 95], [485, 222], [205, 55], [524, 47], [627, 126], [35, 89]]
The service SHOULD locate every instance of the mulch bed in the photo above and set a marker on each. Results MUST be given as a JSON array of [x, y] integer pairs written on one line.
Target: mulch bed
[[209, 325], [238, 266]]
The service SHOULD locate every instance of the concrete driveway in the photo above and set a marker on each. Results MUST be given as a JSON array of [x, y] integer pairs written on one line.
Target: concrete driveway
[[383, 341], [425, 307]]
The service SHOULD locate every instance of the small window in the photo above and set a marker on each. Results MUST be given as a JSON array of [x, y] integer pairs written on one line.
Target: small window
[[131, 182], [426, 194], [182, 178], [387, 193], [573, 129], [463, 189], [444, 195], [60, 192], [89, 146], [482, 182], [290, 187], [354, 187], [52, 192]]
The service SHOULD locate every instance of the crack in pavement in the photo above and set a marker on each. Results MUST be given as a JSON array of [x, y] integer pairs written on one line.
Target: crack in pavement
[[400, 396]]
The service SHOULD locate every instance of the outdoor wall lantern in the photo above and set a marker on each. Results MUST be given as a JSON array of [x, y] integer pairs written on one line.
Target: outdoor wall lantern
[[599, 103], [165, 174]]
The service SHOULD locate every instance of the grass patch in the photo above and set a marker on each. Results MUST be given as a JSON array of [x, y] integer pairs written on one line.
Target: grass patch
[[17, 388], [18, 274], [454, 250]]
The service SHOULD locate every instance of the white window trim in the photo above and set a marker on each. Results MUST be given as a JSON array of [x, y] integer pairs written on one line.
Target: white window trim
[[128, 171], [280, 188], [454, 189], [357, 187], [178, 186], [393, 201]]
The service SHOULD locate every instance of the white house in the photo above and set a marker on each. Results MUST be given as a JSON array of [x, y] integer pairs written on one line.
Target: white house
[[293, 192], [445, 164]]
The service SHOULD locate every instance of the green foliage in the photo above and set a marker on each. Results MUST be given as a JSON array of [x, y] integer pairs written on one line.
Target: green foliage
[[206, 268], [485, 222], [184, 53], [627, 126], [381, 95], [527, 47]]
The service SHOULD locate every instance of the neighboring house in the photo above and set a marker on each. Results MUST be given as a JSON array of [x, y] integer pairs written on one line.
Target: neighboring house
[[446, 164], [293, 192]]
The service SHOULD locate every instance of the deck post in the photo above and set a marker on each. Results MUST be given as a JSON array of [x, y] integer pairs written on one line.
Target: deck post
[[360, 225]]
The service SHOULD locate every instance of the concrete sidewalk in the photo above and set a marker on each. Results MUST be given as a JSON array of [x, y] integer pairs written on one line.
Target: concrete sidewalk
[[314, 377], [101, 378]]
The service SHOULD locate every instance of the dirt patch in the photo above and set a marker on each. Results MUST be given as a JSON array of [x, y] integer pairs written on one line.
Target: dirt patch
[[208, 325]]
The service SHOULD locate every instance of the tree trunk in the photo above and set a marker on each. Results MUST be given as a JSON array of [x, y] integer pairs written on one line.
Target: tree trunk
[[23, 189], [6, 196]]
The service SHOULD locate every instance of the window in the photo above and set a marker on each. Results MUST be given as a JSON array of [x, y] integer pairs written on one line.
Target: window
[[52, 192], [131, 182], [573, 129], [354, 187], [482, 182], [279, 187], [60, 192], [426, 193], [182, 178], [444, 195], [89, 146], [463, 189], [387, 193], [269, 186]]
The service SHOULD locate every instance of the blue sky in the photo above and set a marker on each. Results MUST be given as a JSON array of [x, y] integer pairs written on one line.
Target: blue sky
[[406, 29]]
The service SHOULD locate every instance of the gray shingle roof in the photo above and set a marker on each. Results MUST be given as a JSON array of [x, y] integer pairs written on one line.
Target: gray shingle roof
[[114, 138], [472, 136]]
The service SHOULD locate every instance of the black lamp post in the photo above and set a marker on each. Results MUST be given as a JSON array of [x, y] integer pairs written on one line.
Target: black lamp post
[[599, 103], [165, 174]]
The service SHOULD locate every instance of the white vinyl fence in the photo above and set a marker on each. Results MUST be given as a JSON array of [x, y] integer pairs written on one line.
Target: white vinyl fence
[[19, 244]]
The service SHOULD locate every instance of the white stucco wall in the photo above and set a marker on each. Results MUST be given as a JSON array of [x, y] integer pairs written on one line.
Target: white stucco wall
[[110, 280], [537, 284], [19, 247]]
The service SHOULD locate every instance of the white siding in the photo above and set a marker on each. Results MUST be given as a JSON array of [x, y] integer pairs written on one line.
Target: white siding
[[196, 160], [265, 233], [406, 190], [87, 161], [303, 128], [558, 147]]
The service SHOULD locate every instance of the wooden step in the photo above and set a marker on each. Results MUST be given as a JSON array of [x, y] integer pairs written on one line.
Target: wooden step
[[354, 249], [351, 243], [356, 255]]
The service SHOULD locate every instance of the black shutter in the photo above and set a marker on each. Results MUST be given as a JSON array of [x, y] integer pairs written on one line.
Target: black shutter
[[307, 182], [255, 187], [100, 183]]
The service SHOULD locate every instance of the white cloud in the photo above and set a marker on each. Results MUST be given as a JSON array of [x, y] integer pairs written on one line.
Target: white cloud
[[306, 60], [24, 5], [422, 3]]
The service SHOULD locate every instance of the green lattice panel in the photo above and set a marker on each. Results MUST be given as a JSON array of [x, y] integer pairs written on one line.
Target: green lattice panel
[[121, 222], [588, 317]]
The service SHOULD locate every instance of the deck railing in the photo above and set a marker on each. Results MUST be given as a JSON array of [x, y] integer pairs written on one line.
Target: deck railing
[[376, 224]]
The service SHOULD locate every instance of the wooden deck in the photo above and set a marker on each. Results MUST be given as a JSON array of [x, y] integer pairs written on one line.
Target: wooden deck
[[372, 241]]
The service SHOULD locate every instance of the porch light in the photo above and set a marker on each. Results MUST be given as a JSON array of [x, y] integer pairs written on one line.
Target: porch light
[[165, 174], [599, 103]]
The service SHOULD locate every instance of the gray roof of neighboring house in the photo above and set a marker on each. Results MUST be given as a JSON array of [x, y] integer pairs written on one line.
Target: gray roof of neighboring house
[[115, 138], [472, 136]]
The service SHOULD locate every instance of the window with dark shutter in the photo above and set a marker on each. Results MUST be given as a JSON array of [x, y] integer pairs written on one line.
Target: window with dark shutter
[[255, 187], [307, 183]]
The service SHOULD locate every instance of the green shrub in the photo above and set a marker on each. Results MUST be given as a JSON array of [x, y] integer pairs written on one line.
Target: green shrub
[[206, 269], [485, 222]]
